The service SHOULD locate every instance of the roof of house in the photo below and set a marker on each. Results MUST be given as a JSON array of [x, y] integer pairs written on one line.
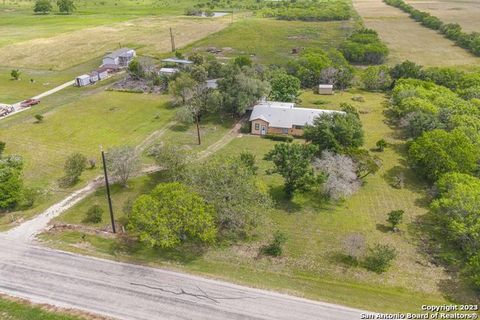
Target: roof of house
[[325, 86], [285, 114], [176, 60], [118, 53]]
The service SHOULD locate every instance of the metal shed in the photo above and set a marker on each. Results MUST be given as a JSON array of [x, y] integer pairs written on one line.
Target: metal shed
[[325, 89]]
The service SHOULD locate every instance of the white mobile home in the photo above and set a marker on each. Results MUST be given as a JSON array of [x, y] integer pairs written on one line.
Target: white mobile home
[[83, 80], [120, 57]]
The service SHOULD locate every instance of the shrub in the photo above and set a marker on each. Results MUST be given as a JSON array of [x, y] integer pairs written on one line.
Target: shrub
[[278, 137], [394, 218], [381, 144], [275, 248], [246, 127], [94, 214], [380, 258], [365, 47]]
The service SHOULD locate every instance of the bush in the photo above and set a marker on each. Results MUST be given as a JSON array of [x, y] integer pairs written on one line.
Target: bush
[[278, 137], [39, 118], [364, 47], [275, 248], [380, 258], [246, 127], [381, 144], [94, 214], [394, 218]]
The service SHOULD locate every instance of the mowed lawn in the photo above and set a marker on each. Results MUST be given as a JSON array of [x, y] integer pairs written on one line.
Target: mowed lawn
[[465, 13], [408, 40], [271, 41], [311, 265], [14, 310], [77, 120]]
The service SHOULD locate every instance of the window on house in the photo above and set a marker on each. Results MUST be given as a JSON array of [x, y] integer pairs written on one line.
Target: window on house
[[285, 130], [257, 126], [298, 127]]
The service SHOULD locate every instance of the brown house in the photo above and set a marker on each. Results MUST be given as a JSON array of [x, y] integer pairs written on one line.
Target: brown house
[[282, 118]]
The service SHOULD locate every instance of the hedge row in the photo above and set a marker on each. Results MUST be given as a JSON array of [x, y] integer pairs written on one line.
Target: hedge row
[[364, 47], [452, 31]]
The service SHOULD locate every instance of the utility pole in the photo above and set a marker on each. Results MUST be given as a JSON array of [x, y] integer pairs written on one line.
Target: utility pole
[[197, 120], [172, 38], [108, 191]]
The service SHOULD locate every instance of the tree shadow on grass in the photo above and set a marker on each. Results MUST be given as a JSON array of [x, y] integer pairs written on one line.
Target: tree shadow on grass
[[383, 228], [438, 249], [280, 200], [184, 254]]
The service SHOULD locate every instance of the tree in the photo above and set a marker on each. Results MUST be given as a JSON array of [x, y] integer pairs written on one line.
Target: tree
[[15, 74], [437, 152], [293, 161], [406, 69], [170, 215], [11, 184], [170, 158], [395, 217], [309, 66], [380, 258], [228, 186], [376, 78], [354, 245], [74, 167], [136, 69], [240, 89], [366, 163], [341, 174], [66, 6], [335, 131], [122, 162], [202, 100], [381, 144], [182, 88], [456, 209], [42, 6], [284, 87]]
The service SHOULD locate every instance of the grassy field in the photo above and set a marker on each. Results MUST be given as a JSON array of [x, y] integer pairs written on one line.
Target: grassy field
[[16, 310], [311, 266], [407, 39], [463, 12], [271, 41]]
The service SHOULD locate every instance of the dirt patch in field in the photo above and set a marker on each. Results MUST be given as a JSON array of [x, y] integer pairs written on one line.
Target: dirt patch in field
[[149, 35], [408, 39]]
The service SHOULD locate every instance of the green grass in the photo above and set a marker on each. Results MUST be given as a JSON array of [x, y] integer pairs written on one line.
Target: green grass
[[271, 41], [13, 310], [312, 265]]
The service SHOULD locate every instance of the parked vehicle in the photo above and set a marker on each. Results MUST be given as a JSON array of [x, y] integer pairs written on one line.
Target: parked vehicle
[[29, 102]]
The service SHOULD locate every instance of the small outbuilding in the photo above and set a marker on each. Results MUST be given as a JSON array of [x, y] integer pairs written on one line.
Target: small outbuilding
[[326, 89], [83, 80], [168, 71], [177, 61], [94, 77]]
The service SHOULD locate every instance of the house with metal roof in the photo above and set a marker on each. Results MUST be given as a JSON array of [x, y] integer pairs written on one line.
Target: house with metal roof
[[120, 57], [283, 118]]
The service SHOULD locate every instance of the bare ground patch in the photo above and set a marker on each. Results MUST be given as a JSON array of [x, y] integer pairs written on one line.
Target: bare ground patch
[[150, 35], [407, 39]]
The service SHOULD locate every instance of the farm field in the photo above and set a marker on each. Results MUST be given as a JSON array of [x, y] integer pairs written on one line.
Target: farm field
[[271, 41], [463, 12], [408, 40], [311, 266]]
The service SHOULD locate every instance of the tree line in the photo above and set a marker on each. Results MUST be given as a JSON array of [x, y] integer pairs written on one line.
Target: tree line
[[441, 118], [452, 31]]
